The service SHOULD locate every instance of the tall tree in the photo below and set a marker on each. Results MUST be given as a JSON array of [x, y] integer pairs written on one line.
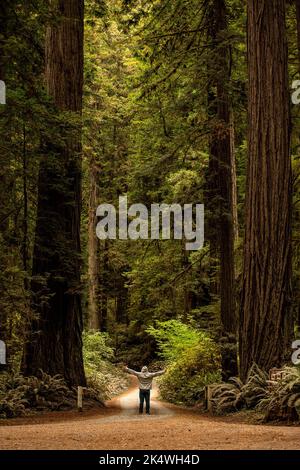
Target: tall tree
[[234, 195], [221, 172], [105, 145], [4, 175], [297, 2], [265, 304], [54, 344], [296, 213], [93, 247]]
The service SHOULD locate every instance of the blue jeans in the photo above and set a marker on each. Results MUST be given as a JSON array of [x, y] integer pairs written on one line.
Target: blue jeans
[[144, 395]]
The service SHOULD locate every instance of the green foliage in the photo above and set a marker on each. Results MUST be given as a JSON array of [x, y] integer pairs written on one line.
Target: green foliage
[[193, 361], [19, 395], [23, 121], [256, 387], [96, 349], [234, 395], [104, 378], [12, 405], [282, 400], [175, 338], [227, 397], [277, 400], [168, 150], [147, 129]]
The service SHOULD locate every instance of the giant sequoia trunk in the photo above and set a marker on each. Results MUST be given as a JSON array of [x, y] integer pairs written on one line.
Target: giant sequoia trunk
[[221, 179], [265, 305], [54, 344]]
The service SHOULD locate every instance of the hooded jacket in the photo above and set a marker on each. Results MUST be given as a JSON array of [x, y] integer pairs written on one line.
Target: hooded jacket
[[145, 377]]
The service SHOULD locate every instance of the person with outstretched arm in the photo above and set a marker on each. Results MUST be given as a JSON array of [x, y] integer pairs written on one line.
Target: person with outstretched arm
[[145, 379]]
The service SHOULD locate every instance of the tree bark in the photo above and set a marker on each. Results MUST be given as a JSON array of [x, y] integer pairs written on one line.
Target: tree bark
[[103, 254], [3, 181], [4, 166], [122, 305], [93, 260], [265, 329], [221, 176], [25, 211], [297, 2], [54, 344], [234, 180]]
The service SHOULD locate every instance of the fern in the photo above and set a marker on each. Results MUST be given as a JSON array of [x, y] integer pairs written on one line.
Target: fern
[[227, 397], [283, 398], [18, 394], [256, 386]]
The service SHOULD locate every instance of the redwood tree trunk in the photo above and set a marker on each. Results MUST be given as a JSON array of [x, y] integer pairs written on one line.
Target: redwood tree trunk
[[298, 27], [221, 178], [298, 38], [103, 284], [4, 182], [93, 260], [265, 306], [234, 203], [54, 344]]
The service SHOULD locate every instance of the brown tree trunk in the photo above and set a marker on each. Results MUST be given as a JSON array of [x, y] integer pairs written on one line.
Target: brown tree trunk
[[221, 158], [233, 180], [4, 182], [265, 304], [7, 202], [25, 211], [102, 283], [212, 209], [297, 2], [54, 344], [121, 302], [93, 260]]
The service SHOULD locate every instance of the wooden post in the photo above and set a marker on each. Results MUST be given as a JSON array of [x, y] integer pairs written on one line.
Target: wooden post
[[208, 397], [2, 353], [79, 398], [2, 92]]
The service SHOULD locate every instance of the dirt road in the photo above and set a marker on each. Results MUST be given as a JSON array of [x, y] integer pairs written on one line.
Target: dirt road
[[118, 426]]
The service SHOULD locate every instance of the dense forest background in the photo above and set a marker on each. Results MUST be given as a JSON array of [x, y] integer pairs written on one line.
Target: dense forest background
[[164, 101]]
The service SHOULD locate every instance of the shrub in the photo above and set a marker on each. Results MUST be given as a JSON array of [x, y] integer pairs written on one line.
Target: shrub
[[227, 397], [103, 378], [20, 394], [12, 405], [234, 395], [278, 400], [283, 398], [193, 361], [256, 387]]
